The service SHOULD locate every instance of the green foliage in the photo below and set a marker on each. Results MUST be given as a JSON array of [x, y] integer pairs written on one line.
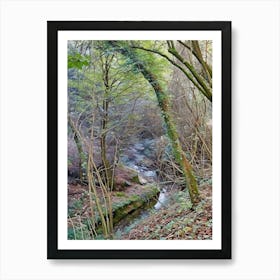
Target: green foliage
[[182, 197], [79, 232], [78, 60], [75, 207], [87, 88], [78, 204], [71, 234]]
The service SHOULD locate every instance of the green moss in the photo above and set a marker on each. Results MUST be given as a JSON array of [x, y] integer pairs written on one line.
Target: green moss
[[133, 202], [120, 194], [123, 211], [128, 204], [135, 179]]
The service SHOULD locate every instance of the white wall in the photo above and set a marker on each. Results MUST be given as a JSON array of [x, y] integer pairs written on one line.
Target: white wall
[[255, 139]]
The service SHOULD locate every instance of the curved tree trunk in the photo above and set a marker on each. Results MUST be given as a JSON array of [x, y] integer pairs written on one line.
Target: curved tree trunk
[[164, 105], [178, 152]]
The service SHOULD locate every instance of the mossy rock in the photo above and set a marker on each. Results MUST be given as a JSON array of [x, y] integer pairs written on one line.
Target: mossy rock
[[135, 179], [128, 203], [125, 177], [133, 202]]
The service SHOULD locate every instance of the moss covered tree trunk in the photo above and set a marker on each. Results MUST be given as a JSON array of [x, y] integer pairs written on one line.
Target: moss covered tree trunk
[[178, 152], [164, 105]]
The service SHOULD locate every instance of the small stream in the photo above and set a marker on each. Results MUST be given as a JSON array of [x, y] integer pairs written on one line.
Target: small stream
[[140, 157]]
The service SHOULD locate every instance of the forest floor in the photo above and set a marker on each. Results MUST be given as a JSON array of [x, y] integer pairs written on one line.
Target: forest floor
[[176, 220], [124, 203]]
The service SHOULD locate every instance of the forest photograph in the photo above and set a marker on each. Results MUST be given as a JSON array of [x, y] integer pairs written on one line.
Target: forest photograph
[[139, 140]]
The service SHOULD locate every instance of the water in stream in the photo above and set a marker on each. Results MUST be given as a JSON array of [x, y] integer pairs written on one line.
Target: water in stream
[[140, 157]]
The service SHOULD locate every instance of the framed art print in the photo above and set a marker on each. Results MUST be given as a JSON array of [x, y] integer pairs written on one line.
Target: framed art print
[[139, 140]]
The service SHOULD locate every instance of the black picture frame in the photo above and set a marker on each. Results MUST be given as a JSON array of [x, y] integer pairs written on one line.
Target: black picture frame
[[52, 194]]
